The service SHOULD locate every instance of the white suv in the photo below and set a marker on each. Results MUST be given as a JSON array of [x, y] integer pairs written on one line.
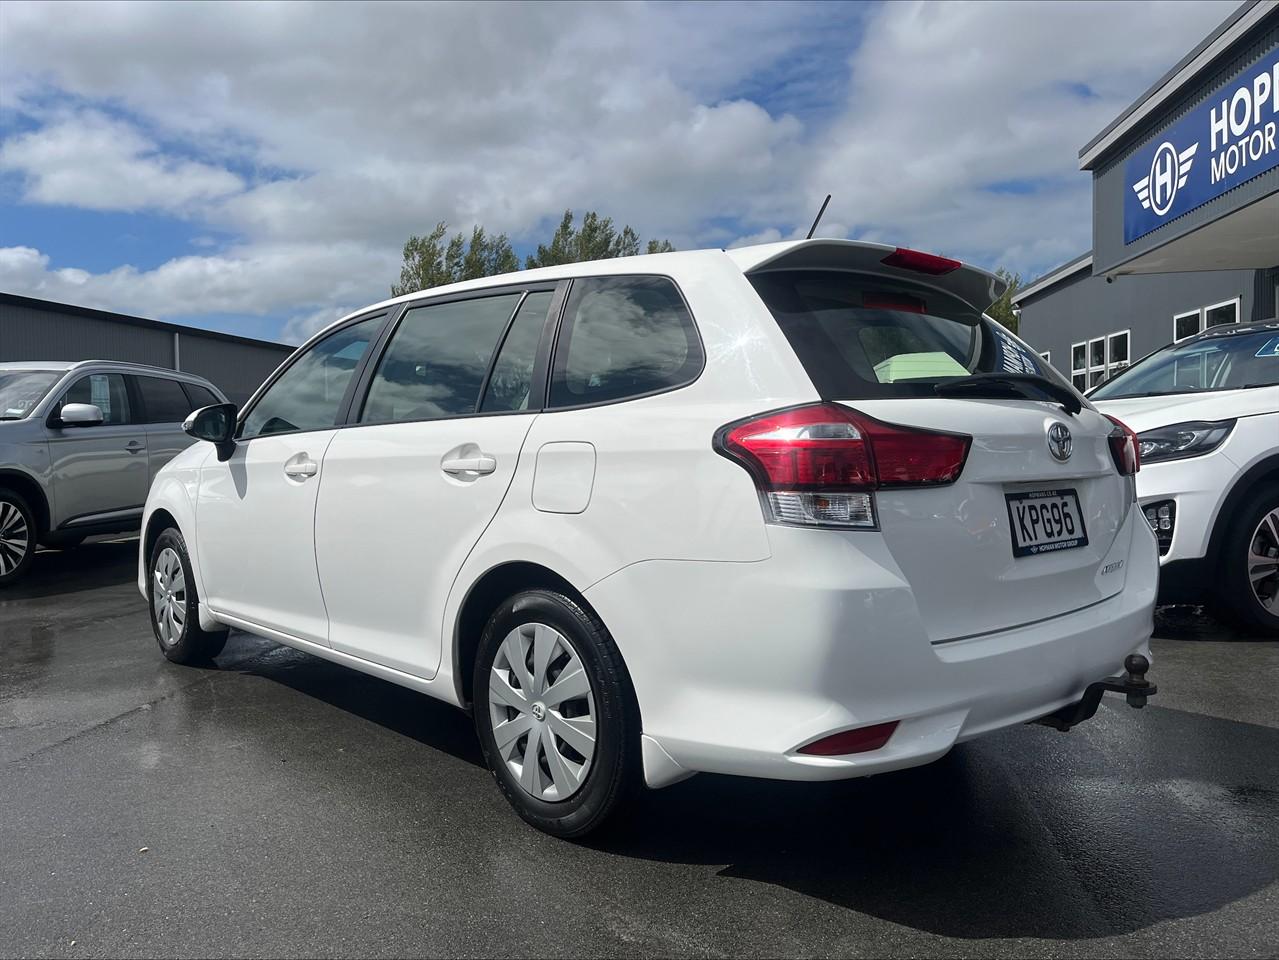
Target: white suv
[[794, 511], [1207, 415]]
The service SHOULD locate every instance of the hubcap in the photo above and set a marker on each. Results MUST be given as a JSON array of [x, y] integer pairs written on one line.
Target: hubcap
[[543, 712], [15, 538], [1263, 562], [169, 597]]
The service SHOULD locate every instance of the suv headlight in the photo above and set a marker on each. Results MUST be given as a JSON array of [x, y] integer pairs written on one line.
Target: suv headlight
[[1182, 440]]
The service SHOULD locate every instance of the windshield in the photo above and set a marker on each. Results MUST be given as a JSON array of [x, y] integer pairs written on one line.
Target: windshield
[[1229, 360], [861, 336], [21, 390]]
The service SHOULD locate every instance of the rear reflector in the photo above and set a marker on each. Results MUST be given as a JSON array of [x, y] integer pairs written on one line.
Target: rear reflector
[[1124, 448], [921, 262], [861, 740], [816, 465]]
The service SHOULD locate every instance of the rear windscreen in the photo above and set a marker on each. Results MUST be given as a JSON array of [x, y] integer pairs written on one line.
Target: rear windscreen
[[861, 337]]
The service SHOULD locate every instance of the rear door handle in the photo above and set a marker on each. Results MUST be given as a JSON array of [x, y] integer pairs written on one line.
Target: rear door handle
[[135, 446], [301, 469], [481, 464]]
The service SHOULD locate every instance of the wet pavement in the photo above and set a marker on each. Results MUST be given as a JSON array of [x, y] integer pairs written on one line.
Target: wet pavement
[[280, 805]]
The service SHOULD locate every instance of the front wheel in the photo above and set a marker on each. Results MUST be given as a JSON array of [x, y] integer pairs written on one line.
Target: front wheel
[[1248, 591], [555, 713], [175, 618], [17, 536]]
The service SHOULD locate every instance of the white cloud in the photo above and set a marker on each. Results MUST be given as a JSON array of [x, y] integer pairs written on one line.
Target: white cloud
[[88, 160], [359, 124]]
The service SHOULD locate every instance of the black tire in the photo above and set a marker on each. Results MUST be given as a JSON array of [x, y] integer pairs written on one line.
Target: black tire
[[186, 643], [1235, 599], [614, 773], [18, 536]]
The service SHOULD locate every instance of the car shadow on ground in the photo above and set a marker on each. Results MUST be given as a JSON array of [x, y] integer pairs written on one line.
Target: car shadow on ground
[[90, 566], [1026, 833]]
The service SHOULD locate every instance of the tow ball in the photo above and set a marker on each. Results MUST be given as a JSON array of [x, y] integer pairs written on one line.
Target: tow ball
[[1133, 685]]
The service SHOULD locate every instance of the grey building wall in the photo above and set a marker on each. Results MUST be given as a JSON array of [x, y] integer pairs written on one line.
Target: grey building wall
[[33, 329], [1083, 307]]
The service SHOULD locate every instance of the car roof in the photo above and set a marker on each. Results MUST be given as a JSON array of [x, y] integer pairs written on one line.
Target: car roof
[[1233, 330], [970, 283], [124, 366]]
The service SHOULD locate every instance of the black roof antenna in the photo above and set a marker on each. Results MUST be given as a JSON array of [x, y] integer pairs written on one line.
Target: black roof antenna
[[819, 218]]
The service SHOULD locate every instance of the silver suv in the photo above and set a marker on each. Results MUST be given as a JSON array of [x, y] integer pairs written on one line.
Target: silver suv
[[79, 445]]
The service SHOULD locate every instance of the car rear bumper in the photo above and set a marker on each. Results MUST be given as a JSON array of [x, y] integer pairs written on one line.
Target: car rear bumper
[[738, 665]]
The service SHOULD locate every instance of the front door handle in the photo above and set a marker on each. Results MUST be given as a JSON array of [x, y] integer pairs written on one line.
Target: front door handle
[[134, 446], [481, 464], [301, 469]]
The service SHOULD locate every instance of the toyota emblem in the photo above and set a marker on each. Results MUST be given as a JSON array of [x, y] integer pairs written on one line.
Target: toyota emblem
[[1059, 442]]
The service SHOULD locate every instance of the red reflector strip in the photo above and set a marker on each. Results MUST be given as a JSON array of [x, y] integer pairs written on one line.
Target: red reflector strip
[[921, 262], [861, 740]]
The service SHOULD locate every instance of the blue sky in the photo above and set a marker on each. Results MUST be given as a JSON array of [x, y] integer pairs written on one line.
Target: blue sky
[[256, 168]]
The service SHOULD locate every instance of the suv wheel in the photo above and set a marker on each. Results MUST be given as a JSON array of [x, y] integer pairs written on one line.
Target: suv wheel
[[17, 536], [1248, 591], [175, 618], [555, 713]]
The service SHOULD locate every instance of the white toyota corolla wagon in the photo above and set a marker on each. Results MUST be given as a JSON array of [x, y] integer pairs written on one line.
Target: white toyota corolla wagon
[[795, 511]]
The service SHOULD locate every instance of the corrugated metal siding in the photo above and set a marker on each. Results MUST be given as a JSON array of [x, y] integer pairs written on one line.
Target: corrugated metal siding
[[235, 367], [30, 334], [1086, 306]]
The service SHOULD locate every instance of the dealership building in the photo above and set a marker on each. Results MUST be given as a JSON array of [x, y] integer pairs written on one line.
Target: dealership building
[[1185, 211], [32, 329]]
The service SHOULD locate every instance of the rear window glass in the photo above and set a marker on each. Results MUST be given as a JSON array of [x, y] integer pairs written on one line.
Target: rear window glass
[[859, 337]]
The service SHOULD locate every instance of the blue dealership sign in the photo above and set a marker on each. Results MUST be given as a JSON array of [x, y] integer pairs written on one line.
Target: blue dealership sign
[[1230, 138]]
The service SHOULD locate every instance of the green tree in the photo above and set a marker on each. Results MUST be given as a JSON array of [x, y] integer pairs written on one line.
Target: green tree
[[436, 258], [430, 262], [1001, 311], [596, 239]]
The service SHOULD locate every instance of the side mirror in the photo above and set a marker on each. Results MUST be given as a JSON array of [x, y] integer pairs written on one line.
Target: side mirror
[[215, 424], [80, 415]]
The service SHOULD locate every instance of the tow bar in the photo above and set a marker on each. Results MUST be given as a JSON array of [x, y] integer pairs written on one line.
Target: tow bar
[[1133, 685]]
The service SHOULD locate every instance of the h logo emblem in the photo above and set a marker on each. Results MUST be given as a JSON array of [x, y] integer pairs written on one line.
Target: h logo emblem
[[1168, 173]]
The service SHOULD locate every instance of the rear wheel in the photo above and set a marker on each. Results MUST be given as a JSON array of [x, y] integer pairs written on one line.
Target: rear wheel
[[1248, 589], [555, 713], [17, 536], [175, 618]]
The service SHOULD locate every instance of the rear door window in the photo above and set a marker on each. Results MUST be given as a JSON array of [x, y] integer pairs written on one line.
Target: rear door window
[[859, 337], [163, 401], [435, 363], [623, 337], [200, 396], [512, 378]]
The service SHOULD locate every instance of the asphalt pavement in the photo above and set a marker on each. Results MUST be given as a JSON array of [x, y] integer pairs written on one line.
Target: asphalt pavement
[[279, 805]]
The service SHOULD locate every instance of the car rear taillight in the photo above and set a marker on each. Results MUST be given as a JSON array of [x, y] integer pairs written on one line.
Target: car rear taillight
[[861, 740], [1124, 448], [920, 262], [817, 465]]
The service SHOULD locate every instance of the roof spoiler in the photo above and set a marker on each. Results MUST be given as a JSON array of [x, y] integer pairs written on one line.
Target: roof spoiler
[[974, 286]]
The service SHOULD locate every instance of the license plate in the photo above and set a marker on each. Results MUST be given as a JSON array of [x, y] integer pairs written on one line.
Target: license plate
[[1044, 521]]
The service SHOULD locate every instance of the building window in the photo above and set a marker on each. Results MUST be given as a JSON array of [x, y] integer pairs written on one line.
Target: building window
[[1095, 360], [1220, 313], [1116, 352], [1079, 366], [1195, 321]]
